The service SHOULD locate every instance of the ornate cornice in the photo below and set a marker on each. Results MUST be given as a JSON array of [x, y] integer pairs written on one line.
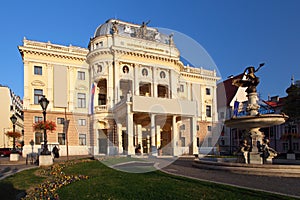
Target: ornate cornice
[[53, 50]]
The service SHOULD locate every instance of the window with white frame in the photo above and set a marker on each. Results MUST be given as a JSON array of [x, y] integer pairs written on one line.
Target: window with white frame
[[38, 119], [38, 93], [61, 138], [81, 100], [81, 75], [38, 138], [38, 70], [81, 122], [207, 91], [60, 120], [181, 88], [82, 139], [208, 111]]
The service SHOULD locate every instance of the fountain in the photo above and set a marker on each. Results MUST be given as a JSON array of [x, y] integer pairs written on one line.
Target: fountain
[[253, 121]]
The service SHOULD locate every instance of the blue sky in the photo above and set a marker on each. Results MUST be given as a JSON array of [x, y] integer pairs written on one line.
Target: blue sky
[[235, 33]]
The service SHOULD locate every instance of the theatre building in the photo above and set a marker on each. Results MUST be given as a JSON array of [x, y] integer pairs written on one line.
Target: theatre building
[[128, 93]]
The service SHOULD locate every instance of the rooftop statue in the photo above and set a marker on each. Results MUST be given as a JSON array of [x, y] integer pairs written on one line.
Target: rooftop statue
[[251, 80]]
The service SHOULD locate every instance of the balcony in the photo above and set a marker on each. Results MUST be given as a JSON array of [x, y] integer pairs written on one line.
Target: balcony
[[101, 108], [163, 105]]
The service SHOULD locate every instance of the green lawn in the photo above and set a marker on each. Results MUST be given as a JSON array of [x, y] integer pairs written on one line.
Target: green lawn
[[106, 183]]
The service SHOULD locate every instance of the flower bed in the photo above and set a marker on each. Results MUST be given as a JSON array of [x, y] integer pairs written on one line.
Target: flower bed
[[56, 179]]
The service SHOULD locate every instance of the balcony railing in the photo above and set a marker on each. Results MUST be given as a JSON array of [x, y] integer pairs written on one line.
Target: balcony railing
[[101, 108]]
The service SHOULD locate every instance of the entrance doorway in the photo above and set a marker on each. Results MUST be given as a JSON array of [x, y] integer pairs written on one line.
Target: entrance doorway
[[102, 141]]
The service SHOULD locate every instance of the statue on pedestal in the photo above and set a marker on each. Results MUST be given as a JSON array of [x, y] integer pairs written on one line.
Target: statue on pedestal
[[251, 80]]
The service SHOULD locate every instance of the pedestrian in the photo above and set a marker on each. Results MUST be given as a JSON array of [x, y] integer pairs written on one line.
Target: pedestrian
[[55, 151]]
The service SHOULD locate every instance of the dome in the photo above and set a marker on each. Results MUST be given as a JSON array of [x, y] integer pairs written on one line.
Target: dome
[[141, 31], [105, 28]]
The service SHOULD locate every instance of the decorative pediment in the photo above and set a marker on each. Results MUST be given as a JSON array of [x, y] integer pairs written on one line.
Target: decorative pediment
[[37, 83], [81, 87]]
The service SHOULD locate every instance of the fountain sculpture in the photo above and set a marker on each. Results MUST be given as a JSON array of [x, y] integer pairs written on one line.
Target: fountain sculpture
[[253, 120]]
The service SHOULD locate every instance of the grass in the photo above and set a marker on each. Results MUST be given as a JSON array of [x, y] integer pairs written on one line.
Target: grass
[[17, 184], [107, 183]]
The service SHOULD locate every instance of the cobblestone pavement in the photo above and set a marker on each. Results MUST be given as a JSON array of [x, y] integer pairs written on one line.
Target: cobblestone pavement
[[274, 184]]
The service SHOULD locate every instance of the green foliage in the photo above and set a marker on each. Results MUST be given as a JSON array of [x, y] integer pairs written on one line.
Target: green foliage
[[292, 103]]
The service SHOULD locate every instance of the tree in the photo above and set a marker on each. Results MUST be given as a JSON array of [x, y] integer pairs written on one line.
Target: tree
[[292, 103]]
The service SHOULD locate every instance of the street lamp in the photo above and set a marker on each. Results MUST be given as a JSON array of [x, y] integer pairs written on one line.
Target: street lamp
[[14, 119], [44, 103]]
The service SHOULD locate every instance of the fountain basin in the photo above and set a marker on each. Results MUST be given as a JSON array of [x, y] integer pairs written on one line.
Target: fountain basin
[[257, 121]]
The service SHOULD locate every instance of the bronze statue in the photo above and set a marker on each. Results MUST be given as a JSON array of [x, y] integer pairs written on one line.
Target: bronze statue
[[251, 80]]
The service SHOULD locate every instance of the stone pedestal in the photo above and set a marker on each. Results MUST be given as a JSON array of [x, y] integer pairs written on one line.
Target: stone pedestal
[[45, 160], [14, 157], [255, 158], [290, 156], [256, 139]]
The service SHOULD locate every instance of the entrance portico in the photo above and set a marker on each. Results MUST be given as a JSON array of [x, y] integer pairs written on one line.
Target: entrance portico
[[156, 132]]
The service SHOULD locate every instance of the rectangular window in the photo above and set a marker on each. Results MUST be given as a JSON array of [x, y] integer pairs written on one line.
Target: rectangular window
[[81, 100], [38, 119], [209, 142], [295, 146], [81, 75], [61, 138], [38, 70], [37, 95], [82, 139], [198, 127], [82, 122], [181, 88], [222, 115], [207, 91], [285, 146], [208, 128], [38, 138], [60, 120], [182, 127], [208, 111]]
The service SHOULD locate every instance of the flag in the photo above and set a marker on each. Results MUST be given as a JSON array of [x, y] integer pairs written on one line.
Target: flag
[[236, 108], [92, 94]]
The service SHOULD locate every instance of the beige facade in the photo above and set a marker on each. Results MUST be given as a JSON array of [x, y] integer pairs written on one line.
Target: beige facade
[[10, 104], [129, 86], [61, 74]]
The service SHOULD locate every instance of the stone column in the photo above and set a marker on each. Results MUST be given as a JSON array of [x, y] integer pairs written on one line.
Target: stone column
[[140, 136], [110, 83], [119, 132], [154, 82], [158, 143], [136, 80], [174, 136], [252, 107], [116, 83], [129, 129], [152, 132], [193, 138]]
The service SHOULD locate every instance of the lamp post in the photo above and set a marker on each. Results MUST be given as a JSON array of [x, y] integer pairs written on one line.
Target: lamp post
[[44, 103], [14, 119]]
